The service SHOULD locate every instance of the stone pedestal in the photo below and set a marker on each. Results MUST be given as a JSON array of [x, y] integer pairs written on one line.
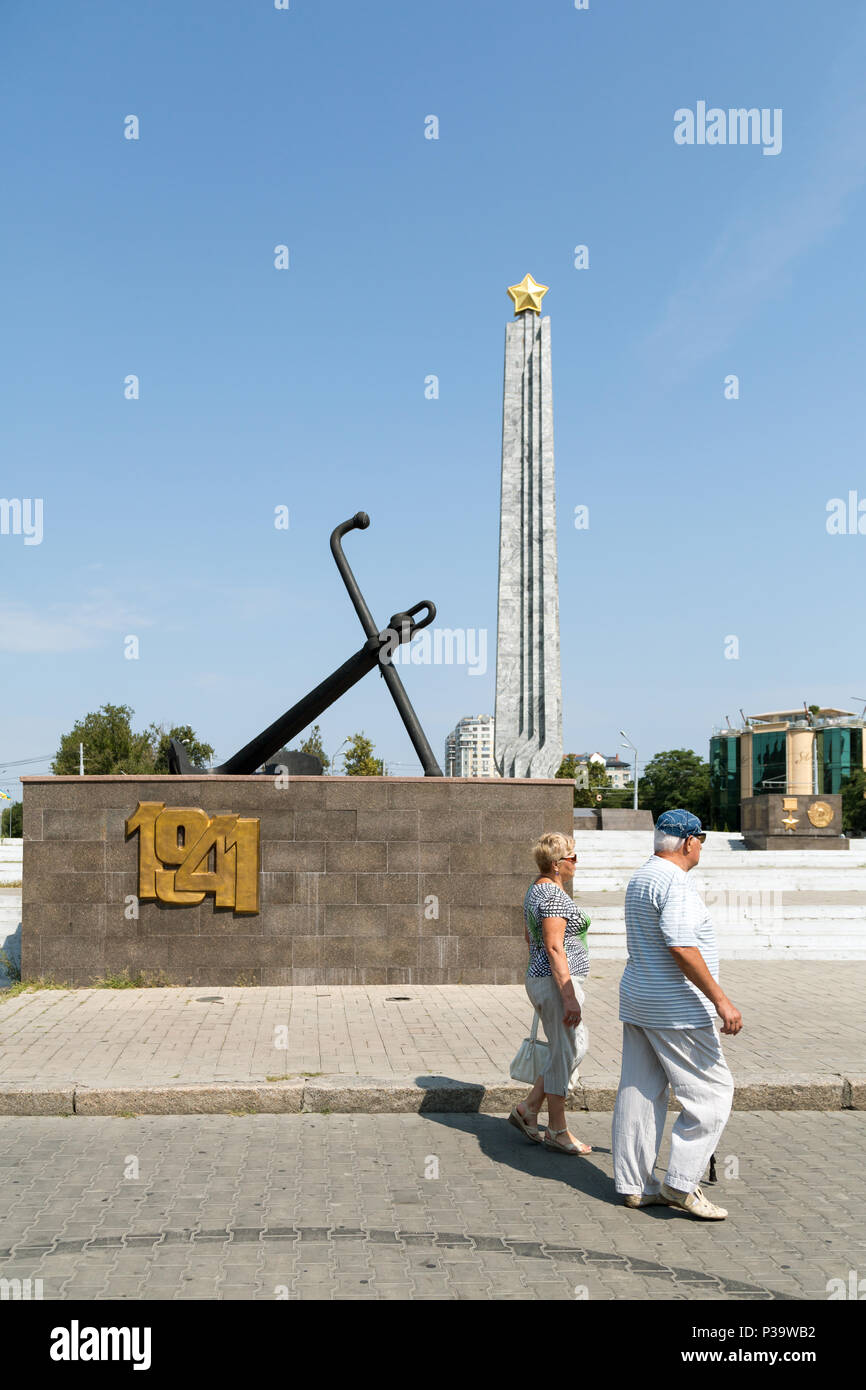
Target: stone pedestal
[[361, 880], [792, 822], [623, 818]]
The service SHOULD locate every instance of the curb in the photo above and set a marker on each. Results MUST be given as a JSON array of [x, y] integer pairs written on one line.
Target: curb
[[364, 1095]]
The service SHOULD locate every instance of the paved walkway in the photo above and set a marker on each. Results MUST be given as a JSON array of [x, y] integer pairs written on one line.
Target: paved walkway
[[801, 1020], [420, 1207]]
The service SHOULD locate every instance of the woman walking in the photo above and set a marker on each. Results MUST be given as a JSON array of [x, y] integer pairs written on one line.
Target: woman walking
[[555, 931]]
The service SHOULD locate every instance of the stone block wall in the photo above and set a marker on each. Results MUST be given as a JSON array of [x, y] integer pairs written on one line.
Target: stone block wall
[[364, 880]]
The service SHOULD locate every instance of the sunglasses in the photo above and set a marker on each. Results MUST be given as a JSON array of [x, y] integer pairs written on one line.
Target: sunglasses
[[572, 857]]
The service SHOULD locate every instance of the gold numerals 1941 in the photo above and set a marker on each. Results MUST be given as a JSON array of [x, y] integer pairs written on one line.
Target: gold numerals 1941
[[183, 853]]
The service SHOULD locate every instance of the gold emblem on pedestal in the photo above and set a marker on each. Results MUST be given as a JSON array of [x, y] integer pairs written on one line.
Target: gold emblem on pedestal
[[183, 853], [820, 813]]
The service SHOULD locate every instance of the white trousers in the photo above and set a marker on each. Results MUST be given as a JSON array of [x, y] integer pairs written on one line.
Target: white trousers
[[546, 999], [691, 1062]]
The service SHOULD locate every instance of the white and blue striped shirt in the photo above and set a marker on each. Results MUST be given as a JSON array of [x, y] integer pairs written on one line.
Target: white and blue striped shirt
[[662, 909]]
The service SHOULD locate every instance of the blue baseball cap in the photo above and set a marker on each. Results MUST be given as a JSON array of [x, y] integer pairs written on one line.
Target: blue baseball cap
[[679, 822]]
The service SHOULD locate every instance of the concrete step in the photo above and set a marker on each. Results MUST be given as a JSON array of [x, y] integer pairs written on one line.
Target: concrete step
[[795, 934], [851, 922], [11, 853], [843, 949], [594, 892], [749, 859]]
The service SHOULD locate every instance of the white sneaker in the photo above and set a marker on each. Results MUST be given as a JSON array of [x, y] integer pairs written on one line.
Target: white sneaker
[[644, 1199], [695, 1203]]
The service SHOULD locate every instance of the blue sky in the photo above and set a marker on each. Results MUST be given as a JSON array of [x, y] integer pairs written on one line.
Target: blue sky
[[305, 387]]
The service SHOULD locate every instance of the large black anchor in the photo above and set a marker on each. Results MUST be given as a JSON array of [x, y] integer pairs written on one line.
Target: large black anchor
[[376, 651]]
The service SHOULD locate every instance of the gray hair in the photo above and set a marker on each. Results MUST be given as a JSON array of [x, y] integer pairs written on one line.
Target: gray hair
[[668, 844]]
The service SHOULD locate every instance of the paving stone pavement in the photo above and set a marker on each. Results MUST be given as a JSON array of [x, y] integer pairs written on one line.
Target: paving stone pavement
[[800, 1017], [415, 1207]]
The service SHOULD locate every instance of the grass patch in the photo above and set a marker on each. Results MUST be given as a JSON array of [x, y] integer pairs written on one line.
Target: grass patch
[[24, 987], [142, 979]]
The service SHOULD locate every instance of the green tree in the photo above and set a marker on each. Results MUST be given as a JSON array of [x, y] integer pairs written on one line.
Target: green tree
[[11, 820], [568, 767], [854, 803], [678, 777], [568, 770], [621, 798], [313, 744], [111, 745], [598, 782], [597, 777], [200, 754], [359, 760]]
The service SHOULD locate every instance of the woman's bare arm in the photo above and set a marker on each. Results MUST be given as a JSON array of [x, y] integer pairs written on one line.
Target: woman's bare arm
[[553, 933]]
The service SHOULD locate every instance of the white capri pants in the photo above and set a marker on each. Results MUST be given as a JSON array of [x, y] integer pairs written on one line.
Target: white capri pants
[[547, 1001], [691, 1061]]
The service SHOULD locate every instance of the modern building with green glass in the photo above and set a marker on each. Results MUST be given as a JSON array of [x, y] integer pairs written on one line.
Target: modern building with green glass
[[795, 752]]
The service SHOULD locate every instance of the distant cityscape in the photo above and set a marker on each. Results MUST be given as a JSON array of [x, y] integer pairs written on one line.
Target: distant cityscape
[[810, 751], [469, 753]]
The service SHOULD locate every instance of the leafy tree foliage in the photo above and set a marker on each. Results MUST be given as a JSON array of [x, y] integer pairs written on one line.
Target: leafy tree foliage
[[854, 803], [678, 777], [599, 791], [200, 754], [568, 770], [111, 746], [11, 820], [360, 760]]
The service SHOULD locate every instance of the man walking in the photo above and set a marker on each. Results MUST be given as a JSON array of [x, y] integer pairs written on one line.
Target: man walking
[[667, 997]]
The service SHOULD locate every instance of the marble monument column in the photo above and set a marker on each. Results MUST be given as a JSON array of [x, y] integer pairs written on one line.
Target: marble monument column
[[528, 729]]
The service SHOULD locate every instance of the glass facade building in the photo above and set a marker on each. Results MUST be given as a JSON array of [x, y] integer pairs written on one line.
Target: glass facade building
[[769, 762], [725, 782], [788, 752], [840, 753]]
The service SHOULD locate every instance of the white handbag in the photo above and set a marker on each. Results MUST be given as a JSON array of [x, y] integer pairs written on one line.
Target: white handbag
[[533, 1055]]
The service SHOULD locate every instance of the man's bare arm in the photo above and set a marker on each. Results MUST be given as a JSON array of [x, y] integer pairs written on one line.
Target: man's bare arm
[[694, 967]]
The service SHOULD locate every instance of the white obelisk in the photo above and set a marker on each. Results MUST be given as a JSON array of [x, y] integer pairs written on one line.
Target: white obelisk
[[528, 729]]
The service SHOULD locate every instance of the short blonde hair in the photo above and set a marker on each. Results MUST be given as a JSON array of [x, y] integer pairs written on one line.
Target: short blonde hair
[[551, 847]]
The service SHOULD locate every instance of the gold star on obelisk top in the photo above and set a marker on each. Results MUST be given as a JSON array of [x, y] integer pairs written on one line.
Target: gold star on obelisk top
[[527, 295]]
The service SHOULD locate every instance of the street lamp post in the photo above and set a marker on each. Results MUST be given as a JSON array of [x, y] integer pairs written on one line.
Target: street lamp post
[[342, 745], [629, 744]]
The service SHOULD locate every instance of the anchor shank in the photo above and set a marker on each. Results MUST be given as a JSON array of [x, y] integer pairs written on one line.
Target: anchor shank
[[265, 744]]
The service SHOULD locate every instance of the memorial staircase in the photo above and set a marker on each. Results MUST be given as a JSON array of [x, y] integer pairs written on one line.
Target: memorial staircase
[[766, 905]]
